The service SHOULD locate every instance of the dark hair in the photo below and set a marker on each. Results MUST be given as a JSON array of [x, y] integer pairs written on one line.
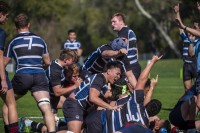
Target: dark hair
[[21, 21], [67, 53], [167, 126], [153, 107], [120, 16], [71, 30], [4, 7], [112, 64]]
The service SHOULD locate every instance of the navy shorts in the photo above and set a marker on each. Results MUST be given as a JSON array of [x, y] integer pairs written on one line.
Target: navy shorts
[[189, 71], [72, 110], [22, 82], [8, 82], [176, 118]]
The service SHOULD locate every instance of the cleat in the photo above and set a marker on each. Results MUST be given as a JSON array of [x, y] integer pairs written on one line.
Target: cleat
[[22, 126]]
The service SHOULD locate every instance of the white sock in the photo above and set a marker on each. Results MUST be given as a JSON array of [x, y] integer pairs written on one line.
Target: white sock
[[28, 122]]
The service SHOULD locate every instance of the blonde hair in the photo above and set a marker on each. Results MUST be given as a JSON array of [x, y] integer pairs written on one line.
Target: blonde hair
[[67, 53]]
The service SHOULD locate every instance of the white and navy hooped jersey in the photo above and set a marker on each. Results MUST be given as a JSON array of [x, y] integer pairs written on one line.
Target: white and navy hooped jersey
[[95, 63], [96, 81], [132, 46], [132, 110], [186, 42], [27, 49], [75, 45]]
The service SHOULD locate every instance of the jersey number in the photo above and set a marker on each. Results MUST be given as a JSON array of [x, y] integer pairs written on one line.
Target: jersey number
[[30, 42]]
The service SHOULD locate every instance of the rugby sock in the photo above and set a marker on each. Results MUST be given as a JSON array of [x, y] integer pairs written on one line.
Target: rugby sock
[[6, 128], [28, 122], [37, 126], [13, 128]]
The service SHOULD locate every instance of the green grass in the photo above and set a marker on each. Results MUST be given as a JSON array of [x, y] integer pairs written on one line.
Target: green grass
[[168, 90]]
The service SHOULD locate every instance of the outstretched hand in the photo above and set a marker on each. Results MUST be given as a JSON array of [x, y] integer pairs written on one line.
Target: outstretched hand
[[155, 58], [176, 8], [154, 81]]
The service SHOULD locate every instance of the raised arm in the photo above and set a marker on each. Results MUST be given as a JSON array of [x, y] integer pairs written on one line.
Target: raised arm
[[145, 73], [181, 25], [149, 94], [113, 53], [177, 13]]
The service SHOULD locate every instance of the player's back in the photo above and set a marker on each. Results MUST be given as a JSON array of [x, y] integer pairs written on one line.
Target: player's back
[[27, 49]]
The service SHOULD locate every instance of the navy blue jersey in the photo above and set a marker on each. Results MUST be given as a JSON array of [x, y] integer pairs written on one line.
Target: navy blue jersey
[[55, 74], [27, 49], [96, 81], [75, 45], [186, 43], [95, 63], [2, 38]]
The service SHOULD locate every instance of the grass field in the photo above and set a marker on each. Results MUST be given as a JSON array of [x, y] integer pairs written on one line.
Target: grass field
[[168, 90]]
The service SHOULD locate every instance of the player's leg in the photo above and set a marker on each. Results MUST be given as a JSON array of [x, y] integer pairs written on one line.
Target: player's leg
[[188, 84], [187, 75], [73, 114], [9, 109], [41, 94], [35, 126], [188, 112], [42, 98], [74, 126]]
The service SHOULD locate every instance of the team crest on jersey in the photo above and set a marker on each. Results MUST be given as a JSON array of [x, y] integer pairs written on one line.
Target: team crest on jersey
[[77, 117]]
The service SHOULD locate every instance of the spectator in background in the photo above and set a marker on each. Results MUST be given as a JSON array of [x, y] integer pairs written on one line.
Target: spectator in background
[[6, 91], [189, 66], [72, 43]]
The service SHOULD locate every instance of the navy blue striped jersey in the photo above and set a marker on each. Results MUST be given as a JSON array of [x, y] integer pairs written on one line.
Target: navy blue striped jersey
[[196, 48], [96, 81], [55, 74], [75, 45], [132, 46], [132, 110], [110, 121], [27, 49], [2, 38], [95, 63], [186, 41]]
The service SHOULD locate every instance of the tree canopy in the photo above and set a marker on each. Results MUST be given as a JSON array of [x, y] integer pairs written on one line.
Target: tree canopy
[[51, 19]]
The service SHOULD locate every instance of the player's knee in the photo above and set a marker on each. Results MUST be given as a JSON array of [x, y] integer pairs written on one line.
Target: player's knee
[[43, 101]]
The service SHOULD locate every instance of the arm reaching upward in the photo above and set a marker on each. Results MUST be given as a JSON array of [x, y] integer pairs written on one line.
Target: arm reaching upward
[[145, 73]]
